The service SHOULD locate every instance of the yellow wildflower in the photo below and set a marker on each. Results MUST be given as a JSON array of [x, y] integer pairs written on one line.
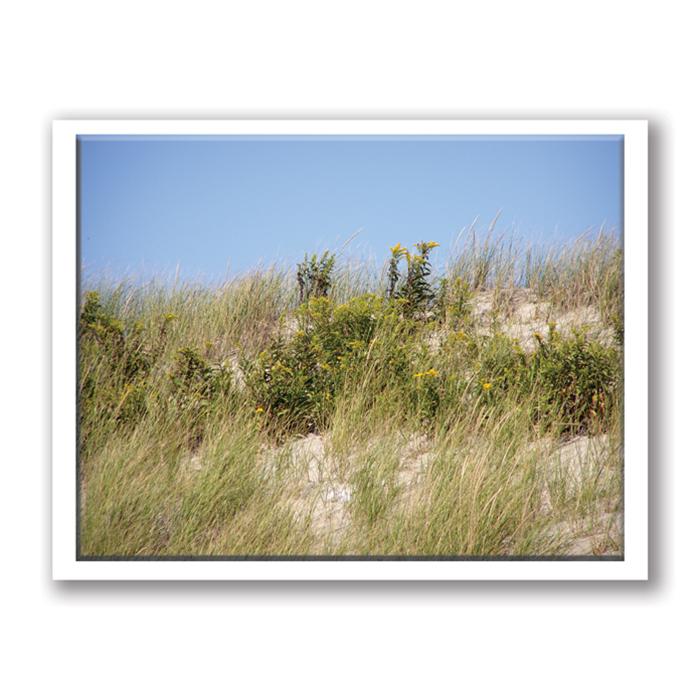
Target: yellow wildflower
[[259, 409], [431, 373], [418, 375], [397, 249], [432, 244], [486, 386]]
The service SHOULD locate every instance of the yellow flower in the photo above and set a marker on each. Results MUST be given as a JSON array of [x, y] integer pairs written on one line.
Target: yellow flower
[[397, 249], [432, 244], [418, 375], [259, 409], [431, 373], [486, 386]]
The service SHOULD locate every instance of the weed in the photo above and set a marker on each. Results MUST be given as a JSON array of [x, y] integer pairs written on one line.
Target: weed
[[314, 276], [574, 382], [414, 286]]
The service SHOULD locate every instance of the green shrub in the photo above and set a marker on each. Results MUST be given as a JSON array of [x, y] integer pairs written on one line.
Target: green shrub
[[295, 381], [570, 383], [414, 286], [194, 381], [500, 367], [397, 253], [197, 390], [290, 385], [124, 348], [575, 382], [115, 364], [314, 276], [417, 290]]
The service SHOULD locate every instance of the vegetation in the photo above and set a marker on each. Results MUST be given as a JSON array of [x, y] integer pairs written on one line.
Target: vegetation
[[332, 413], [314, 275]]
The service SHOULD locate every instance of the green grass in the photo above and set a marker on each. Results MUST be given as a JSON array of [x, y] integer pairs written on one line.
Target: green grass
[[431, 434]]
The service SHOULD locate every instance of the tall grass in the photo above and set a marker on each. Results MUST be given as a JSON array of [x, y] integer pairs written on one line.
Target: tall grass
[[431, 437], [586, 272]]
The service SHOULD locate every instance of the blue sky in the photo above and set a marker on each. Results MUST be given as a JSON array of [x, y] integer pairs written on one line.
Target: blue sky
[[215, 206]]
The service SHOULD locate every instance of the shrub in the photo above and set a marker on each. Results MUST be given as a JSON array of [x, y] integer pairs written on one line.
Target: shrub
[[197, 390], [500, 367], [314, 276], [571, 384], [397, 253], [124, 349], [114, 364], [417, 289], [195, 382], [575, 382], [414, 287], [287, 384], [337, 346]]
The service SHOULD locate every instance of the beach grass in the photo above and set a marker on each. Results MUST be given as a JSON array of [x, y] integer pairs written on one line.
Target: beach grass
[[475, 412]]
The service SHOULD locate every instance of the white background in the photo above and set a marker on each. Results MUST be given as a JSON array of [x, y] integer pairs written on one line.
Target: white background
[[263, 59], [63, 193]]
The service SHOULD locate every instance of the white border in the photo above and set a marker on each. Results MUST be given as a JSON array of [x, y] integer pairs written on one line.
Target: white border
[[65, 565]]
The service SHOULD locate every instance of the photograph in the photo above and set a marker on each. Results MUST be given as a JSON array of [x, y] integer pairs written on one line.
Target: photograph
[[325, 346], [349, 348]]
